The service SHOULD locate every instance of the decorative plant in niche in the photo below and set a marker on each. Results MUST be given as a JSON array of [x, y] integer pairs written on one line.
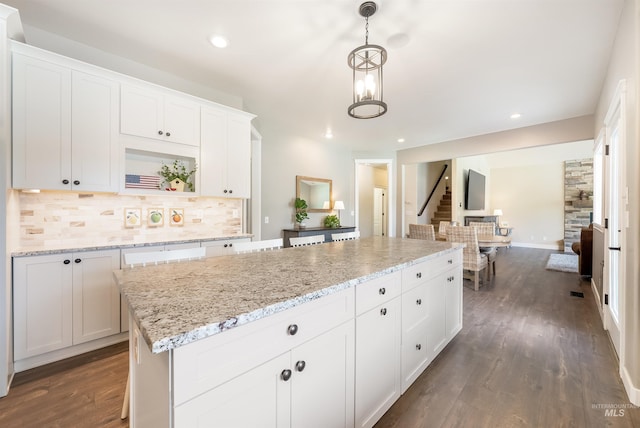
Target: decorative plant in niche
[[331, 221], [178, 170], [301, 210]]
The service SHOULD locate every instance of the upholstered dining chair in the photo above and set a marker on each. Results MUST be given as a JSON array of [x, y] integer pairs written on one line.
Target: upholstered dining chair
[[443, 226], [345, 236], [256, 246], [472, 259], [422, 231], [487, 228], [142, 259], [302, 241]]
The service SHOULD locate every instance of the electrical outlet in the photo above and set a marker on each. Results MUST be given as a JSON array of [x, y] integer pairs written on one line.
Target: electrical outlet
[[266, 220]]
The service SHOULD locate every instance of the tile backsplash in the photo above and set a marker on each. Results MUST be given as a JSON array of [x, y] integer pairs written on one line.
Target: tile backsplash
[[69, 219]]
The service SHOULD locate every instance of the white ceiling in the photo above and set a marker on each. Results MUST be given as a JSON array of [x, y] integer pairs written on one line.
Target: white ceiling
[[456, 68]]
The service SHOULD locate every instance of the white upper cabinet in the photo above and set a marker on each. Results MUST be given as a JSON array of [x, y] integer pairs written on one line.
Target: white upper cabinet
[[225, 153], [65, 125], [149, 113], [41, 124]]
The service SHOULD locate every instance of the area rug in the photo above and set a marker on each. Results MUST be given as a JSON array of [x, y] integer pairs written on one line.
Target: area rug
[[563, 262]]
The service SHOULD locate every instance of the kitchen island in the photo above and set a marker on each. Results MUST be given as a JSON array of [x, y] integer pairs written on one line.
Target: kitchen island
[[284, 338]]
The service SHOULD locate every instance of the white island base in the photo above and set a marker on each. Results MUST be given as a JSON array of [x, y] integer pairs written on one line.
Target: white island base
[[339, 360]]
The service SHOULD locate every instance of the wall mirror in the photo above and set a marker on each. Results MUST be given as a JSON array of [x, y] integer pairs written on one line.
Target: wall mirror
[[316, 191]]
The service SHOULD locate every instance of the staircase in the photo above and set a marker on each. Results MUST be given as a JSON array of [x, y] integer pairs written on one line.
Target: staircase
[[443, 213]]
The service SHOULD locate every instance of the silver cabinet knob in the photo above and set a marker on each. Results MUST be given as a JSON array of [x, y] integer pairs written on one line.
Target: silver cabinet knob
[[383, 311], [419, 302], [418, 347], [382, 291], [419, 275], [300, 365], [285, 375], [292, 329]]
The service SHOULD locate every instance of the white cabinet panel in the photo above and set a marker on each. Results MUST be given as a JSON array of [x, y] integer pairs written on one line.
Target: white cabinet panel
[[225, 154], [149, 113], [96, 298], [322, 380], [64, 128], [42, 299], [221, 247], [258, 398], [453, 304], [378, 363], [94, 130], [41, 124], [64, 299]]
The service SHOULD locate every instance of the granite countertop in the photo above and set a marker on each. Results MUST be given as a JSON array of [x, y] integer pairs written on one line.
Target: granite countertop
[[178, 303], [24, 252]]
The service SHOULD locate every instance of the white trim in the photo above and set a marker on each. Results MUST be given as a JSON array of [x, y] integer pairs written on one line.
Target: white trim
[[597, 297], [632, 391]]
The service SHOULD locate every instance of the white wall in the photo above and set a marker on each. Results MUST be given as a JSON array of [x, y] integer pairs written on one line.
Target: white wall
[[624, 65], [284, 157]]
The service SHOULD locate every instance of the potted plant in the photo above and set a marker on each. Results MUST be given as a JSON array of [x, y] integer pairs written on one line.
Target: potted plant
[[178, 171], [332, 221], [301, 211]]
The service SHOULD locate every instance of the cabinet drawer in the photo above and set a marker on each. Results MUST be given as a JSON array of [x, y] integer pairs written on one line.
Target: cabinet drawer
[[418, 273], [377, 291], [415, 353], [414, 307], [204, 364]]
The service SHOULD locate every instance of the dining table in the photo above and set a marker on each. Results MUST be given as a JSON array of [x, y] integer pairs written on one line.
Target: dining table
[[485, 241]]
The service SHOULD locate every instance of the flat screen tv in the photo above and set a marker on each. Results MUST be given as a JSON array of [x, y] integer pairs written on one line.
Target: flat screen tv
[[475, 191]]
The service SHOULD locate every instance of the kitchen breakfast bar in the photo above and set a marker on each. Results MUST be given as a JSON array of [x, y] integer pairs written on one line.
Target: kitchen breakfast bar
[[328, 335]]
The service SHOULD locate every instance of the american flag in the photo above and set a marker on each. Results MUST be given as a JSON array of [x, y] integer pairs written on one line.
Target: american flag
[[133, 181]]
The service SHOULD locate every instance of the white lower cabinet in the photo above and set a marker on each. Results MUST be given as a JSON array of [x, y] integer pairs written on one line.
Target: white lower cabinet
[[222, 247], [431, 312], [378, 334], [310, 386], [62, 300]]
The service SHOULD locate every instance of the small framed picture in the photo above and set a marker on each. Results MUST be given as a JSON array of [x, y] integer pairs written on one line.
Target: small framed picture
[[155, 217], [132, 217], [176, 216]]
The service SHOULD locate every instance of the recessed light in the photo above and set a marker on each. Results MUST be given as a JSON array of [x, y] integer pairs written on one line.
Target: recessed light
[[400, 140], [219, 41], [515, 115], [328, 134]]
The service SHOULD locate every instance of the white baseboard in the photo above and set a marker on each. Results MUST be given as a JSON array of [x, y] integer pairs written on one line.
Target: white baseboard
[[540, 246], [632, 391], [598, 299], [71, 351]]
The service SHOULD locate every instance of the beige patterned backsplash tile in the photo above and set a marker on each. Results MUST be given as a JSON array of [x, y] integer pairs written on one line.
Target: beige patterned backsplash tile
[[58, 219]]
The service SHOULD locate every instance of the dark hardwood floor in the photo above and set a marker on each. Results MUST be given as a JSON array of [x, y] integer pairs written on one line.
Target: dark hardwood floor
[[529, 354]]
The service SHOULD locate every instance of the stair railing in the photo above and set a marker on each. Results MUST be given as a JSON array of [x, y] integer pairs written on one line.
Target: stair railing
[[424, 206]]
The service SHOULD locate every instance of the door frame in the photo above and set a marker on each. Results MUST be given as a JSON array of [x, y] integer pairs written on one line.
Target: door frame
[[616, 114], [390, 192]]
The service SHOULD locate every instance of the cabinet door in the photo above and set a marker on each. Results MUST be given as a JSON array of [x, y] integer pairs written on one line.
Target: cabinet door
[[41, 124], [415, 319], [377, 362], [221, 248], [322, 385], [258, 398], [213, 153], [436, 330], [182, 121], [239, 156], [96, 299], [94, 156], [141, 112], [453, 305], [42, 302]]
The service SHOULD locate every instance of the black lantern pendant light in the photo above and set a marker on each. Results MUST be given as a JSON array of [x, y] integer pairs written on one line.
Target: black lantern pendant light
[[366, 61]]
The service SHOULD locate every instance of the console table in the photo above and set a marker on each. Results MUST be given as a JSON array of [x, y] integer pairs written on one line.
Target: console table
[[310, 231]]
